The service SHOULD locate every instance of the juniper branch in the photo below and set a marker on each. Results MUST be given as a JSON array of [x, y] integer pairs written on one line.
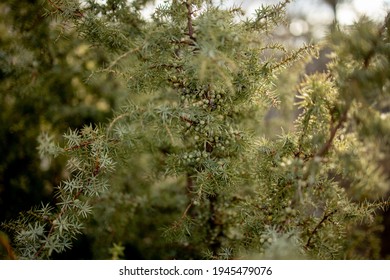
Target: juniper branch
[[315, 230], [189, 20], [77, 13], [333, 131]]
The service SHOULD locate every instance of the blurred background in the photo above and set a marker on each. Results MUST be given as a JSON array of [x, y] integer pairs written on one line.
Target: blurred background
[[310, 19]]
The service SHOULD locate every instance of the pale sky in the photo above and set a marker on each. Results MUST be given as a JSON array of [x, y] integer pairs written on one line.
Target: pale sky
[[305, 13], [317, 11]]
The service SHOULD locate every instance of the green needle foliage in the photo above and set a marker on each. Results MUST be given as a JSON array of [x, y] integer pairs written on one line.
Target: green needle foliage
[[187, 167]]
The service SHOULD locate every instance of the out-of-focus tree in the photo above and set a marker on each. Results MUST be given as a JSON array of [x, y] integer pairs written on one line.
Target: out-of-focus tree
[[43, 69]]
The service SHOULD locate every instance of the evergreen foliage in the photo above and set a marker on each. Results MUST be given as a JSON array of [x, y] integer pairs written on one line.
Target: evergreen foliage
[[42, 88], [187, 167]]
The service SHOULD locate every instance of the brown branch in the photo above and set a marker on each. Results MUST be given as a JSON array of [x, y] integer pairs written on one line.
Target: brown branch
[[189, 187], [51, 230], [54, 5], [166, 66], [76, 147], [183, 118], [326, 147], [189, 20], [77, 13], [186, 211], [315, 230], [111, 125], [95, 172]]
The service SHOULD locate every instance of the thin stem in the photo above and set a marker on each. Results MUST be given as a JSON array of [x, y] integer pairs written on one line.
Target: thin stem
[[115, 120], [326, 147], [77, 13], [55, 6], [315, 230], [109, 69], [51, 230], [95, 172], [169, 134], [186, 211], [189, 20], [76, 147]]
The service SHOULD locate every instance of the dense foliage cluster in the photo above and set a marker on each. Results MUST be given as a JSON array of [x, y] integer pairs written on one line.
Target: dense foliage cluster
[[188, 167]]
